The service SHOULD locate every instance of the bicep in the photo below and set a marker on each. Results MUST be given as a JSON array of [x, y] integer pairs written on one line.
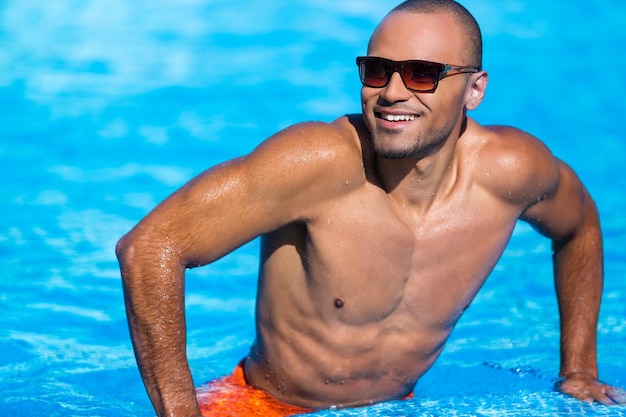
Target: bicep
[[560, 212], [211, 215]]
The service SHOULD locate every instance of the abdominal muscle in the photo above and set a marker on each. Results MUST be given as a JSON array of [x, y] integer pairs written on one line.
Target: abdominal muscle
[[343, 334], [319, 363], [324, 364]]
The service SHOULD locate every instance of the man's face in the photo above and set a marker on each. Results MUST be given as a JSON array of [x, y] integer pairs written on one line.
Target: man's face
[[426, 119]]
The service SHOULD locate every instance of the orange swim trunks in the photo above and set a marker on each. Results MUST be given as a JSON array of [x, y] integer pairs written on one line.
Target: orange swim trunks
[[231, 396]]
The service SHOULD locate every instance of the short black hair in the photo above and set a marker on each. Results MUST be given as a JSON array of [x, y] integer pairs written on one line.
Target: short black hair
[[467, 23]]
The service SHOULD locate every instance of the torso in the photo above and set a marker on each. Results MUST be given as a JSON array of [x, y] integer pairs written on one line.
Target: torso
[[350, 307]]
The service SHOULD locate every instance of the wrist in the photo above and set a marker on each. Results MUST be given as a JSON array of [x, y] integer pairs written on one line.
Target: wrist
[[578, 374]]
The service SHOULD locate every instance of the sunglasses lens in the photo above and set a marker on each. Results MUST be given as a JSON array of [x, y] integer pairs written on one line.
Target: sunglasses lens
[[417, 75], [374, 72], [420, 76]]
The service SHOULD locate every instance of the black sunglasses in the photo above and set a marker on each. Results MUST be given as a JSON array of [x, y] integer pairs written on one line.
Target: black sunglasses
[[419, 76]]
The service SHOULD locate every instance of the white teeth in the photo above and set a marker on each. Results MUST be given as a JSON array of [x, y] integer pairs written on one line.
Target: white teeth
[[398, 117]]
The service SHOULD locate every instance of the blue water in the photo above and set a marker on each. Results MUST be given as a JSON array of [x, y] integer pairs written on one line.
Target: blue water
[[109, 106]]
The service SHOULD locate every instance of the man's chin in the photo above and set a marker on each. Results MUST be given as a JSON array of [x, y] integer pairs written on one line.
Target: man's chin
[[395, 153]]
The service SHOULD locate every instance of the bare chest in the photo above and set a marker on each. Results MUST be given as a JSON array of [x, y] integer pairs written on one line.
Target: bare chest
[[370, 262]]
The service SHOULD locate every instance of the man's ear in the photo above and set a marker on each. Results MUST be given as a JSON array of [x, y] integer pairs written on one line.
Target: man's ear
[[475, 91]]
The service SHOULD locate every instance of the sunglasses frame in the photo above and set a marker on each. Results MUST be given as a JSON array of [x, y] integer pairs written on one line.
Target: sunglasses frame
[[442, 71]]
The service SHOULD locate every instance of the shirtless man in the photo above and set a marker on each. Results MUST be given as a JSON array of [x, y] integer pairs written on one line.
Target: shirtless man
[[377, 232]]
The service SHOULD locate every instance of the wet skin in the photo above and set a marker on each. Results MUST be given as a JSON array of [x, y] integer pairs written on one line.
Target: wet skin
[[368, 258]]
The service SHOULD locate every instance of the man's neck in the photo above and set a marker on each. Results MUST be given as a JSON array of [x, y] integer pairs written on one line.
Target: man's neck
[[417, 182]]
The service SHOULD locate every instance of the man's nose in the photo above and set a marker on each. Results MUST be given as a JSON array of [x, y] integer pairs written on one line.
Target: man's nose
[[395, 90]]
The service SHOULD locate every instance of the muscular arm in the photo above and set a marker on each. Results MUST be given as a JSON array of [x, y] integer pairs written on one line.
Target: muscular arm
[[556, 203], [206, 219], [569, 217]]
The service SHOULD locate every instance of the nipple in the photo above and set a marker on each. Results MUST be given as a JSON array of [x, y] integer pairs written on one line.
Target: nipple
[[338, 302]]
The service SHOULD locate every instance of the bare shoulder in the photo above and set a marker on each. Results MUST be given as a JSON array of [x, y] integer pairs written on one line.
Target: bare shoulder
[[323, 153], [303, 166], [513, 164], [332, 146]]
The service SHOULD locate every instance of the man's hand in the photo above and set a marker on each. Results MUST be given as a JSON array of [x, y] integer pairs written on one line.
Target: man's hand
[[587, 388]]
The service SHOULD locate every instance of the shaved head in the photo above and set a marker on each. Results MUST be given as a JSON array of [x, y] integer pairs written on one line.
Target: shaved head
[[467, 24]]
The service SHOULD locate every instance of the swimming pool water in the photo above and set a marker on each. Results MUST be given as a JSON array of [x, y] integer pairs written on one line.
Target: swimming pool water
[[110, 106]]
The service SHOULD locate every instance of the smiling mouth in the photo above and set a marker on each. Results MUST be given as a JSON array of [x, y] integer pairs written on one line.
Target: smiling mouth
[[395, 117]]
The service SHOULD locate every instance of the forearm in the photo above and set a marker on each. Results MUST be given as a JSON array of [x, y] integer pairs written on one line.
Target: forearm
[[578, 263], [154, 298]]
